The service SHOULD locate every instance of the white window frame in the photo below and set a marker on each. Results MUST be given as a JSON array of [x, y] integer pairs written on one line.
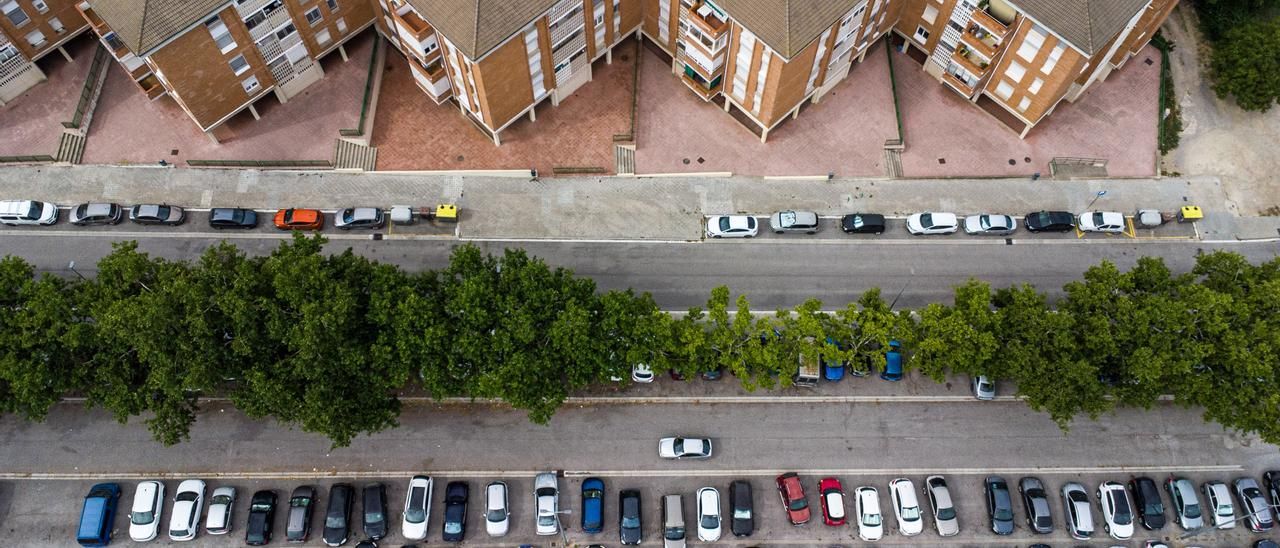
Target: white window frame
[[250, 84], [243, 69], [319, 16], [920, 30]]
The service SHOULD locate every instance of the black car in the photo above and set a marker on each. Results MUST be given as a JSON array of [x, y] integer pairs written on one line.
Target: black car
[[157, 214], [1271, 479], [455, 511], [369, 543], [262, 513], [232, 217], [337, 517], [375, 511], [999, 505], [742, 511], [1266, 543], [1146, 496], [1050, 221], [629, 517], [862, 223], [1036, 502]]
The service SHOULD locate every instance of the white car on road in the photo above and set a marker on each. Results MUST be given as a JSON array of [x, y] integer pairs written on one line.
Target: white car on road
[[641, 373], [990, 225], [144, 517], [546, 498], [906, 507], [684, 448], [732, 226], [708, 514], [870, 521], [1101, 221], [497, 515], [932, 223], [188, 502]]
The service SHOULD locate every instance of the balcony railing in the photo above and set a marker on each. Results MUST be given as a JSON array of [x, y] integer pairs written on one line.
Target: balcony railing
[[708, 19], [972, 62], [414, 24], [984, 19]]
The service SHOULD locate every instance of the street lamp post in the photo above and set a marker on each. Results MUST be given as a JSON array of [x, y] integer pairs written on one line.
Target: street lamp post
[[1099, 194], [72, 266], [1206, 529]]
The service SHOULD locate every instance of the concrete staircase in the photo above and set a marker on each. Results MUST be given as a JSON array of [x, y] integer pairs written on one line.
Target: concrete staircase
[[70, 147], [349, 155], [624, 158], [893, 159]]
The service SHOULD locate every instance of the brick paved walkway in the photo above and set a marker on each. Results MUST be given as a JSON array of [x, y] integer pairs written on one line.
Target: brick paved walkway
[[1114, 120], [413, 133], [845, 133], [33, 122], [128, 128]]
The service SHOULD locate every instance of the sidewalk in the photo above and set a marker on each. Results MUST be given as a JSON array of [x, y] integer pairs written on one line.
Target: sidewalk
[[605, 208]]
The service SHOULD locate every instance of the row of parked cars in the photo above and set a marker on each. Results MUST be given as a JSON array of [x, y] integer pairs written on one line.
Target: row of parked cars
[[32, 212], [931, 222]]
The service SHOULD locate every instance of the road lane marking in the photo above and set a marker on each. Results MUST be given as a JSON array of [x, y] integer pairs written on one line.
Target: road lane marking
[[686, 400]]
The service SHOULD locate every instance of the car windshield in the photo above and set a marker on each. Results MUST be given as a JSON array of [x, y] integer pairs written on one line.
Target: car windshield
[[1123, 515], [299, 501], [858, 222], [496, 515], [871, 520], [678, 446], [910, 513], [452, 527], [34, 212], [415, 515], [349, 216], [547, 520], [787, 218], [1097, 218], [724, 224], [260, 507], [178, 532], [926, 220], [187, 496], [710, 522], [1192, 510], [946, 513], [741, 513], [142, 518], [372, 517], [675, 533], [630, 522], [1003, 514], [220, 499], [335, 522], [798, 504]]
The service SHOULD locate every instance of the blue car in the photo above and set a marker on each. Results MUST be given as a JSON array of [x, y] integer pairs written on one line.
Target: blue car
[[893, 362], [833, 370], [97, 515], [592, 505]]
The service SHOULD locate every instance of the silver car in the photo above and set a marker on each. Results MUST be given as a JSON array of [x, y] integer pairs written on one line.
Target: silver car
[[96, 214], [496, 512], [1078, 511], [218, 522], [1253, 505], [157, 214], [794, 221], [1185, 503], [944, 511], [546, 498], [984, 388], [990, 225]]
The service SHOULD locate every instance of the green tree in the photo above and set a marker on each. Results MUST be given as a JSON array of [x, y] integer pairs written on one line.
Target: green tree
[[42, 339], [959, 338], [1244, 64]]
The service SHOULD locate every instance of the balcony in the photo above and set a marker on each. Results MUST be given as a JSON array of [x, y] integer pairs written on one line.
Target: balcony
[[959, 85], [709, 19], [700, 85], [700, 65], [987, 21], [970, 60], [412, 23], [980, 41]]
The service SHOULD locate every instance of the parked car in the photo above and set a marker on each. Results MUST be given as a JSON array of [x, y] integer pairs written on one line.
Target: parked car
[[932, 223], [417, 508], [831, 495], [374, 507], [359, 217], [999, 505], [455, 511], [262, 515], [893, 362], [1050, 221], [298, 219], [232, 217], [1146, 499], [642, 373], [1036, 502], [1272, 480], [188, 502], [990, 225], [298, 522], [862, 223], [218, 522], [157, 214], [97, 515], [713, 374], [337, 515], [1186, 506], [673, 531], [1076, 508], [1101, 221], [743, 521], [793, 500], [870, 520], [28, 212], [944, 511], [497, 511], [96, 214], [1253, 504], [148, 508], [794, 221], [906, 507], [630, 524], [1218, 500], [1117, 512], [1262, 543], [732, 226], [708, 514], [546, 498], [684, 448], [983, 388], [592, 505]]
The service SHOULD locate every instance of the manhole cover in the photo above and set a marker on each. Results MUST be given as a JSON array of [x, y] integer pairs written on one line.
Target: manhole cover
[[685, 161], [459, 158], [942, 161], [1013, 162], [701, 160], [1149, 62], [1026, 159], [173, 152]]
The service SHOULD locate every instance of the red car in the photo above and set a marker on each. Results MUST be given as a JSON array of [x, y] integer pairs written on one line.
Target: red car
[[299, 219], [793, 500], [832, 496]]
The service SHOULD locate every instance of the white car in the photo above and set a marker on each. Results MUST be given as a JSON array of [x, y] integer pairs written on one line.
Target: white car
[[708, 514], [1117, 510], [984, 388], [417, 508], [944, 511], [932, 223], [188, 502], [870, 521], [358, 217], [990, 225], [684, 448], [496, 512], [1101, 221], [642, 373], [221, 502], [144, 517], [906, 507], [1217, 500], [732, 226], [546, 498]]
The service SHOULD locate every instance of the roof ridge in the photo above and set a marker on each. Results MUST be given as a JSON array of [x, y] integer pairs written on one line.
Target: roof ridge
[[786, 23], [142, 23], [475, 30], [1088, 18]]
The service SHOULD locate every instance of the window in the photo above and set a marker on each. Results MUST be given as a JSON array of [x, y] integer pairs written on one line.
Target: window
[[14, 13], [1004, 90], [40, 6], [56, 25], [1035, 86], [1053, 59], [1028, 50], [112, 40], [7, 52], [922, 34], [323, 37], [313, 16], [333, 5], [221, 36], [250, 84], [342, 25], [238, 64], [1024, 104], [930, 14], [1015, 71], [35, 38]]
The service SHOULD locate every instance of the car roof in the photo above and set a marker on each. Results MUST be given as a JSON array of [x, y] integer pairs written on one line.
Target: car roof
[[97, 209], [709, 496], [145, 495], [148, 210], [868, 495]]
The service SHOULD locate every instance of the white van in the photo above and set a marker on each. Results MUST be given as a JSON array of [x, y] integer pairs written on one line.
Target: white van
[[27, 212]]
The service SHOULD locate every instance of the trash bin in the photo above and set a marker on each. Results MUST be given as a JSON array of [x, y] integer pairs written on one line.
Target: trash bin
[[402, 215], [447, 213], [1190, 214], [1149, 218]]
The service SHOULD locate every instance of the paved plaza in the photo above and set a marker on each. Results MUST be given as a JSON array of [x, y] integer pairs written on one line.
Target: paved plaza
[[32, 122]]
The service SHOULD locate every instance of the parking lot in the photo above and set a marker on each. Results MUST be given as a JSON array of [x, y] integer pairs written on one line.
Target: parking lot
[[43, 513]]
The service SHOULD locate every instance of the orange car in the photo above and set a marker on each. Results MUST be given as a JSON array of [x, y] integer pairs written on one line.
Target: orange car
[[299, 219]]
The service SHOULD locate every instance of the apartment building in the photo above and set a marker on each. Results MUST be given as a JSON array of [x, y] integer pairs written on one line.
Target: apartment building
[[216, 58], [498, 59], [29, 30], [762, 59], [1019, 59]]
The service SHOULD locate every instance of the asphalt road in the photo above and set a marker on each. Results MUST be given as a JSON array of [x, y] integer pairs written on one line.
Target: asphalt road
[[772, 272]]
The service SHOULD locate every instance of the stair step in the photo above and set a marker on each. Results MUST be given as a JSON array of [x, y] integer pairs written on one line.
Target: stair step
[[624, 159], [349, 155], [70, 147]]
